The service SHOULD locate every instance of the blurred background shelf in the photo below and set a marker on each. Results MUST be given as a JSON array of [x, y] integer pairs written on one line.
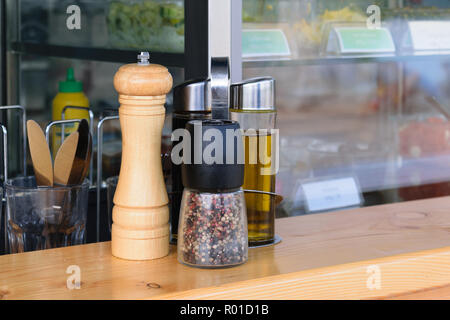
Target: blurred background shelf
[[351, 59], [95, 54]]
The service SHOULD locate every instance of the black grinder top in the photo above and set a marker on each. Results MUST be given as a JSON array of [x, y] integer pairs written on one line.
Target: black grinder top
[[216, 160]]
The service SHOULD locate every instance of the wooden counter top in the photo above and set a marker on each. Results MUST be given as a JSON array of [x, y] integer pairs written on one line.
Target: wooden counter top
[[396, 250]]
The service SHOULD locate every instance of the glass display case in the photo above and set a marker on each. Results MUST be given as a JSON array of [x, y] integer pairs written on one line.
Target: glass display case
[[41, 40], [362, 87], [362, 93]]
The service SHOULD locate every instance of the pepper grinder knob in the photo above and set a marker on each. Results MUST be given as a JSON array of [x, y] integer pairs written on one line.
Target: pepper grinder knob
[[144, 59], [140, 229]]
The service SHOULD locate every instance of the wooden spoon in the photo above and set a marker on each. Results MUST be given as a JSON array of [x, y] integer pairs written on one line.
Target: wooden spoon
[[79, 163], [64, 159], [40, 154]]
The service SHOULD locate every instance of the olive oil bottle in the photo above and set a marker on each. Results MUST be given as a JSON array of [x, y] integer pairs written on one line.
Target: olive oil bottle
[[260, 206], [252, 105]]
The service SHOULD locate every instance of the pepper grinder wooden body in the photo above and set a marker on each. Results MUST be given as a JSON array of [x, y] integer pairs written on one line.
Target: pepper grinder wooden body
[[140, 229]]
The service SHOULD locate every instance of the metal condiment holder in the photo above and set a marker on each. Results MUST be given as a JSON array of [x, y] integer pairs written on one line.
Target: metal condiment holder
[[63, 122], [100, 165], [91, 130], [5, 153], [48, 130], [24, 139], [278, 199], [52, 124], [5, 166]]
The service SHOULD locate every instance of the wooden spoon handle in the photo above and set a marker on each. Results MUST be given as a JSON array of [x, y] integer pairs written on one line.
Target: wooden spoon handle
[[64, 159], [40, 154]]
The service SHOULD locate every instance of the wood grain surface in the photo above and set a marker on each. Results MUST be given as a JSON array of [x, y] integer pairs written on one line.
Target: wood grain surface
[[321, 256]]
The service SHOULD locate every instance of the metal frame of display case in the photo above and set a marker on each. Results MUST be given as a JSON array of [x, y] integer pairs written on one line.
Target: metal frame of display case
[[194, 59], [201, 42], [3, 51]]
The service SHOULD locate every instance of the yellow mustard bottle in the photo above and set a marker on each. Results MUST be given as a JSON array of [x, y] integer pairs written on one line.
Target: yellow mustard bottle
[[70, 94]]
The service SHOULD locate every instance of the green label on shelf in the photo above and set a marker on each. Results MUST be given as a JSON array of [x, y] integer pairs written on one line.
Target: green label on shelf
[[364, 40], [264, 43]]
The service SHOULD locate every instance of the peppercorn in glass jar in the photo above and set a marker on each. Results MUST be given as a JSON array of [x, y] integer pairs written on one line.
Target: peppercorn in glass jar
[[213, 228]]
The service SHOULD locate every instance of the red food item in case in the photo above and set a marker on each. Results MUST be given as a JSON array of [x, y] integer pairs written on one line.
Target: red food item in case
[[425, 139]]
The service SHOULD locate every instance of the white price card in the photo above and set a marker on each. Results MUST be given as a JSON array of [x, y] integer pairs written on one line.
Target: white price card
[[331, 194], [430, 35]]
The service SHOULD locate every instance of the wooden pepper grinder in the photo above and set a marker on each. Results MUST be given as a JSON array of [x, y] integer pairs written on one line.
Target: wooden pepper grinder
[[140, 229]]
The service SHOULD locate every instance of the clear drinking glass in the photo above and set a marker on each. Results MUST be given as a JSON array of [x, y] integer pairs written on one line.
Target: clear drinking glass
[[40, 218]]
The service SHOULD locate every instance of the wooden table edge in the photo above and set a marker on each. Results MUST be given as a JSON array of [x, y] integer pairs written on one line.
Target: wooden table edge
[[382, 278], [379, 252]]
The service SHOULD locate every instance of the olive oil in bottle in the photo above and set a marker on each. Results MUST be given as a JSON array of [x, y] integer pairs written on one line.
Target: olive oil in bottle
[[253, 106], [260, 206]]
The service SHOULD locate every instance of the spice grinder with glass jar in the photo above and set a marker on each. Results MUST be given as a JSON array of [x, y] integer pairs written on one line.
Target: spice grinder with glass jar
[[213, 223]]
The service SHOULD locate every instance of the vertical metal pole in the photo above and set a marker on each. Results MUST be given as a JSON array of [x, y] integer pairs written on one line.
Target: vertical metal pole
[[24, 133], [225, 37], [5, 165], [13, 59], [196, 39], [14, 76], [99, 173], [236, 41], [91, 129], [225, 34], [3, 45], [5, 152], [24, 141]]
